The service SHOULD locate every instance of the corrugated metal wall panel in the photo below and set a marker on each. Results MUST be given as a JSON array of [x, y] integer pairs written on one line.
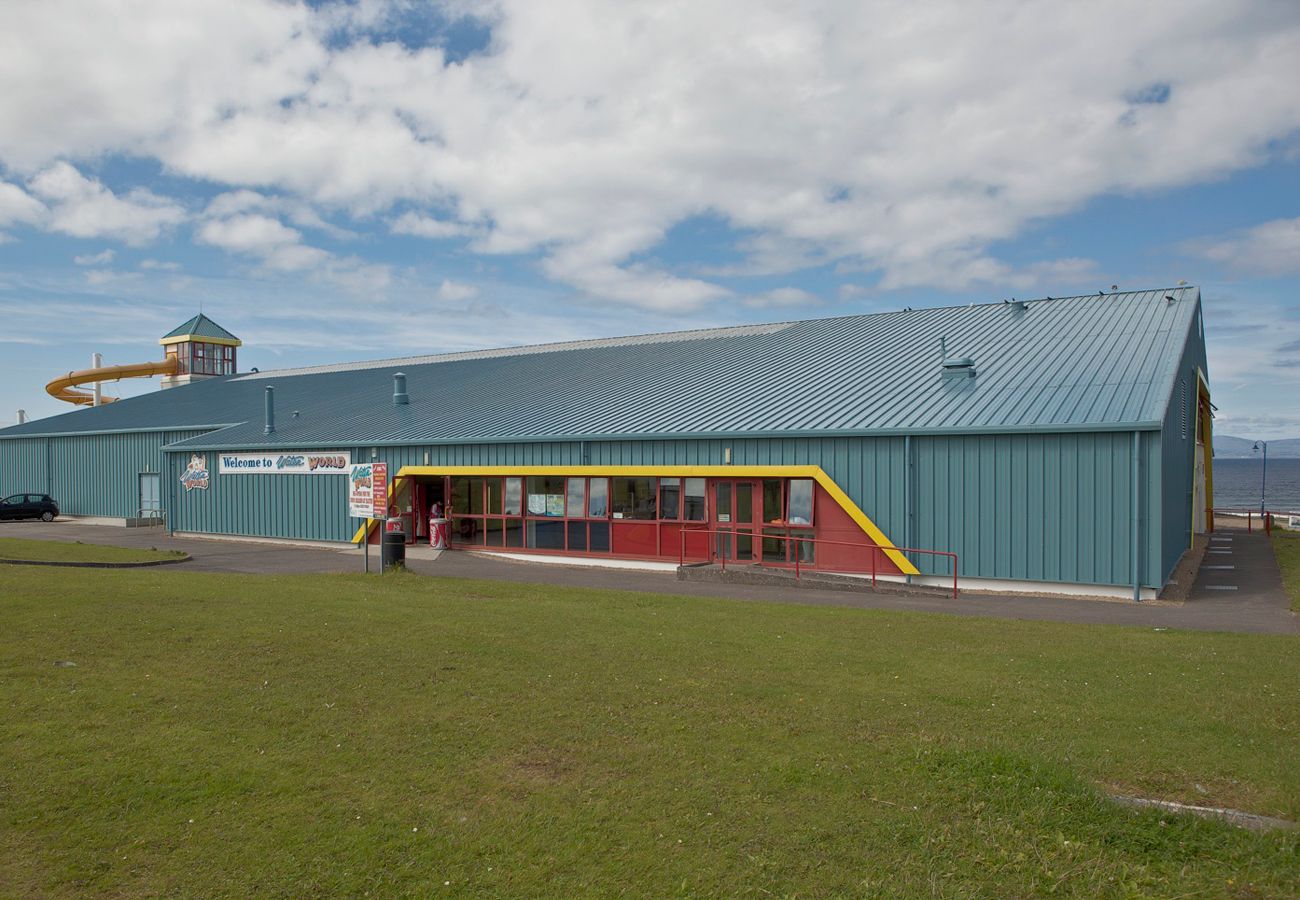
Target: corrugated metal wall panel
[[1178, 453], [299, 507], [1051, 507], [23, 466], [88, 475]]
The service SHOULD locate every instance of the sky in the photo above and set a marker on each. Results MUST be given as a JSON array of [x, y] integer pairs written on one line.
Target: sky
[[342, 181]]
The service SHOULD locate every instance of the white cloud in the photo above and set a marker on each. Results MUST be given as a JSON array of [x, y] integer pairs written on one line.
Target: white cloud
[[1252, 347], [1268, 249], [83, 207], [456, 292], [104, 257], [426, 226], [247, 233], [17, 207], [101, 87], [279, 249], [298, 212], [99, 277], [276, 244], [961, 270], [783, 297], [156, 264], [358, 277], [903, 142]]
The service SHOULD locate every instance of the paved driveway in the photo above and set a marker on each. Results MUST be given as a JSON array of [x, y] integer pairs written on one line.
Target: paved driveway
[[1257, 605]]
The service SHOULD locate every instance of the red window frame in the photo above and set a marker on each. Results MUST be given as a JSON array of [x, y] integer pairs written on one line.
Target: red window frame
[[486, 528]]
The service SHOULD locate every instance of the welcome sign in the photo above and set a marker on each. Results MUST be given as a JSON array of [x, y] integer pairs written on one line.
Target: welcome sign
[[368, 490], [294, 463]]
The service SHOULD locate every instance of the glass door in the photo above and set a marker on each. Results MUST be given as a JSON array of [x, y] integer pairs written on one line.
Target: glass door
[[735, 518]]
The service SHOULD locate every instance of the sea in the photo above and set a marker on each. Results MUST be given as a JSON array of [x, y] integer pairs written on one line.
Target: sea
[[1238, 482]]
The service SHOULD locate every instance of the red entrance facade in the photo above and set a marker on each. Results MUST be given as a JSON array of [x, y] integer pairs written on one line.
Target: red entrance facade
[[755, 519]]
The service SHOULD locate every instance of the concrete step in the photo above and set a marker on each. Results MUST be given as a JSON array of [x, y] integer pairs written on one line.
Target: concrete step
[[146, 522]]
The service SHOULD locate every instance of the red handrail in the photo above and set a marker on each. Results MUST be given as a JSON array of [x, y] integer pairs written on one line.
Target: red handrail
[[1251, 513], [756, 535]]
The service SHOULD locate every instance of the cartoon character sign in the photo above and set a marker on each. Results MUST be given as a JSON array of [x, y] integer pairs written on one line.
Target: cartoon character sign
[[196, 473]]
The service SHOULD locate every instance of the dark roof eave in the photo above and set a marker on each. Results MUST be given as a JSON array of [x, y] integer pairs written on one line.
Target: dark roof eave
[[102, 431]]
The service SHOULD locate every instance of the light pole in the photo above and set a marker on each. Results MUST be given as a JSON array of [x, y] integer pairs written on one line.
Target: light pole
[[1263, 479]]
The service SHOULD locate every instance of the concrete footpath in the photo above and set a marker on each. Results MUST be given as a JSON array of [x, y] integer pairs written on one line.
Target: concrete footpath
[[1246, 598]]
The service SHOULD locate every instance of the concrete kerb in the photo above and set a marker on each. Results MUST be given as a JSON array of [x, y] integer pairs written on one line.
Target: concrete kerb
[[95, 565]]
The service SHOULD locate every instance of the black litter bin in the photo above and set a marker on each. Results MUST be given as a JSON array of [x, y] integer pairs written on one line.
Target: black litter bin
[[393, 549]]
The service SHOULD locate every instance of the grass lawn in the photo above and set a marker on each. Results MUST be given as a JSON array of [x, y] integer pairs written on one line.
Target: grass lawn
[[57, 551], [1286, 545], [338, 735]]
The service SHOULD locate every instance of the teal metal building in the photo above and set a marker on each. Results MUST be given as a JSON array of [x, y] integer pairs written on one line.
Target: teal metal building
[[1054, 443]]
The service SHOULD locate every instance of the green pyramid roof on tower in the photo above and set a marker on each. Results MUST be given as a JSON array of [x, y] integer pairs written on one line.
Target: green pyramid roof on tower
[[200, 326]]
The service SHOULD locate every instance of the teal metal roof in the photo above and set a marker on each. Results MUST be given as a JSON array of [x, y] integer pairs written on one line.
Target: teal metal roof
[[200, 326], [1080, 363]]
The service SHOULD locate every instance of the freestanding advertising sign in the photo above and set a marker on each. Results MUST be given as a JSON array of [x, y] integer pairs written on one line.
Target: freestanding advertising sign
[[379, 490], [361, 502], [368, 496]]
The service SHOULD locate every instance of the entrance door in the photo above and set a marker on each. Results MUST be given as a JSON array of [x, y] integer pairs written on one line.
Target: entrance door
[[735, 517], [150, 496]]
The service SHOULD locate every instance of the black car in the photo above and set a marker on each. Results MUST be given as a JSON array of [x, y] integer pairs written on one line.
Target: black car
[[29, 506]]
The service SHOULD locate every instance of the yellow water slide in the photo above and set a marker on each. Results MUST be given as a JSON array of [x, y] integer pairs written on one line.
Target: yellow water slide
[[65, 386]]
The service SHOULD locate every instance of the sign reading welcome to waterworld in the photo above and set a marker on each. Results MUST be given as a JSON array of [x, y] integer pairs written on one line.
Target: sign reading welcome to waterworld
[[296, 463], [368, 490]]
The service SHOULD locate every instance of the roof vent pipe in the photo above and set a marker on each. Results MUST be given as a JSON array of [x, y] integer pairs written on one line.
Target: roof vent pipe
[[22, 416], [96, 360], [270, 411], [400, 397]]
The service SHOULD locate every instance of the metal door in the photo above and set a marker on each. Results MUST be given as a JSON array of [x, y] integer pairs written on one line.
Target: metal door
[[150, 496]]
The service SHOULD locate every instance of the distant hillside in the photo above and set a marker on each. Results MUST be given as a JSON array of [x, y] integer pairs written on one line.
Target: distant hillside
[[1228, 447]]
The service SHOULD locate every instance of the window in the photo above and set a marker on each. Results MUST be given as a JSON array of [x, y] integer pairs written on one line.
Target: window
[[577, 535], [598, 499], [514, 496], [670, 496], [546, 496], [799, 508], [481, 508], [460, 495], [558, 512], [693, 508], [633, 498], [576, 499], [773, 500], [546, 535]]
